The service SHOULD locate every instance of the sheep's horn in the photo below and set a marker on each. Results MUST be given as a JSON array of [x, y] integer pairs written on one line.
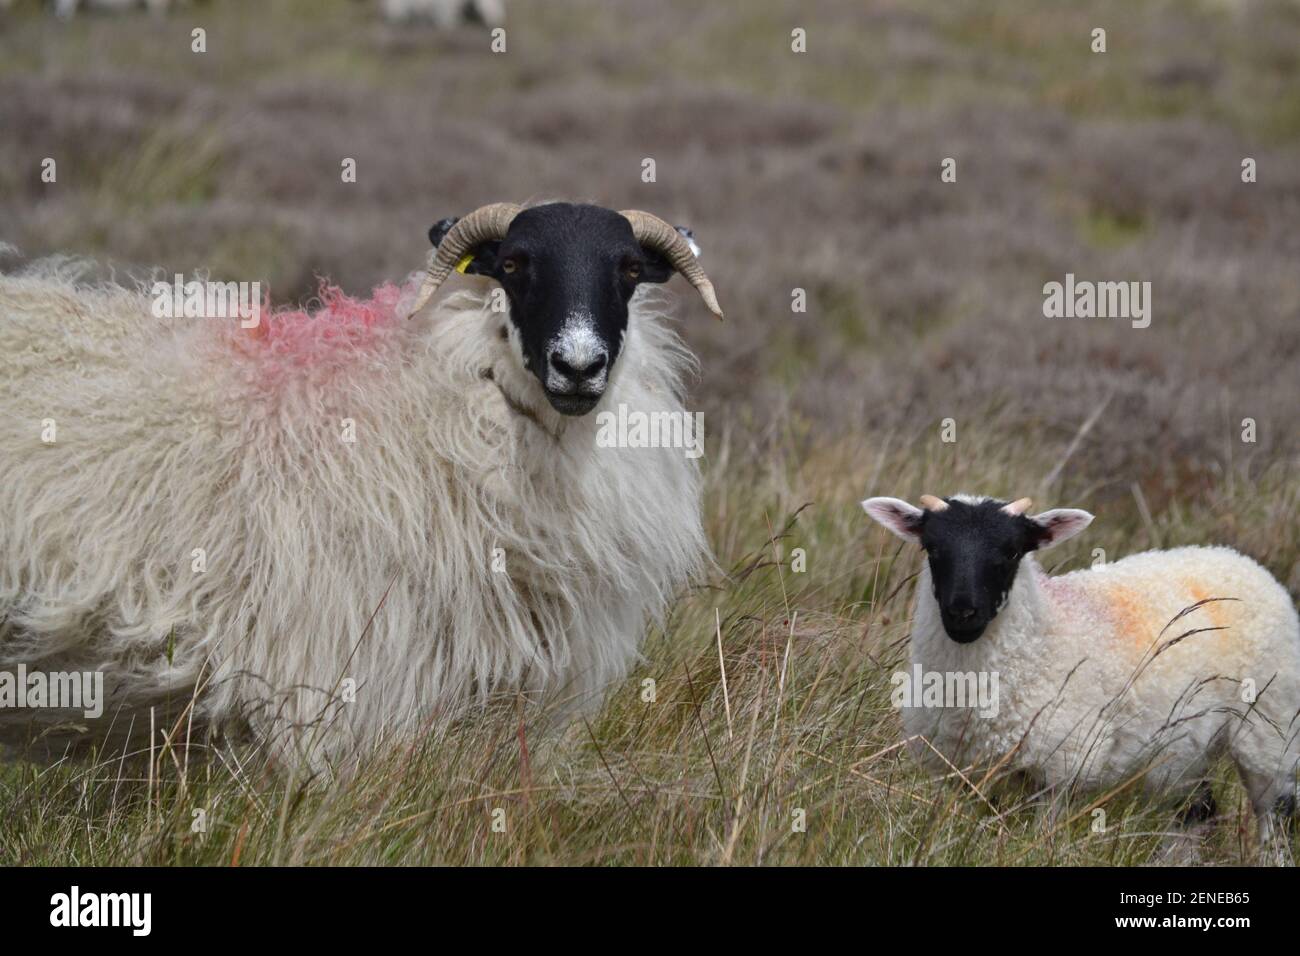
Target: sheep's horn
[[1017, 507], [483, 224], [653, 232], [931, 503]]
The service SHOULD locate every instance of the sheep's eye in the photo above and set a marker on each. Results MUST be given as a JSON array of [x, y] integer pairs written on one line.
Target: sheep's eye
[[509, 266], [632, 270]]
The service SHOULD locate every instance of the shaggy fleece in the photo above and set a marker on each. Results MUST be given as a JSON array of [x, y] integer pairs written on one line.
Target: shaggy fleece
[[333, 526]]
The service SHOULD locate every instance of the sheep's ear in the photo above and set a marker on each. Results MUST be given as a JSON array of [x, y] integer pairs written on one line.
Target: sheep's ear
[[657, 268], [898, 516], [484, 262], [1059, 524]]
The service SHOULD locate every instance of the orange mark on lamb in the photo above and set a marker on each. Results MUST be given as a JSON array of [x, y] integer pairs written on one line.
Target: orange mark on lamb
[[1211, 612], [1136, 621], [1217, 611], [1130, 615]]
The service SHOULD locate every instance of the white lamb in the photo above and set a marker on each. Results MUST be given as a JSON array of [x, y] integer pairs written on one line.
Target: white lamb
[[1154, 664], [336, 524]]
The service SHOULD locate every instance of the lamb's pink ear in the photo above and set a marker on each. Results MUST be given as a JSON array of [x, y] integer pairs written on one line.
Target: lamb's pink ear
[[898, 516], [1060, 524]]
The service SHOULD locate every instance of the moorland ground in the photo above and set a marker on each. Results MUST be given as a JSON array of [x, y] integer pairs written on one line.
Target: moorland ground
[[817, 171]]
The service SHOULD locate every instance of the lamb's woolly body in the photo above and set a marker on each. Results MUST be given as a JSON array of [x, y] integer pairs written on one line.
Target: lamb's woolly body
[[182, 434], [1089, 696]]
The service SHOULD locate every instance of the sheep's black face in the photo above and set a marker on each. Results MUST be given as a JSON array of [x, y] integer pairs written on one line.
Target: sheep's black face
[[568, 271], [974, 546], [974, 550]]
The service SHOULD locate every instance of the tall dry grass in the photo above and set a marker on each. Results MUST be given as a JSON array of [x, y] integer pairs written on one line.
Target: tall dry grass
[[818, 172], [769, 708]]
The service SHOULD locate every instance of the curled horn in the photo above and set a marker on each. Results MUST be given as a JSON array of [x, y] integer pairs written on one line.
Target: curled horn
[[653, 232], [931, 503], [1017, 507], [483, 224]]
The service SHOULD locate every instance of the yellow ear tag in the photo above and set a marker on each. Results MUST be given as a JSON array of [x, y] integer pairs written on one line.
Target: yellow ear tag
[[464, 262]]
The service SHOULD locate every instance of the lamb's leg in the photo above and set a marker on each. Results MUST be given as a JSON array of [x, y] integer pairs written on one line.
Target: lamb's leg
[[1201, 809], [1277, 826], [1273, 799], [1182, 847]]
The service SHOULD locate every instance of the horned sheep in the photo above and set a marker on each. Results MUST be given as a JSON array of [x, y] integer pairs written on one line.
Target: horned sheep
[[330, 526]]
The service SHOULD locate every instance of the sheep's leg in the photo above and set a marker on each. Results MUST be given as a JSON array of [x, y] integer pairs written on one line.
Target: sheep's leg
[[1277, 824], [1273, 799], [1273, 838], [1182, 846], [1201, 809]]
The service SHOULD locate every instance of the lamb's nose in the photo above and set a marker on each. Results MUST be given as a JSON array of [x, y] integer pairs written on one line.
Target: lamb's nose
[[579, 368], [965, 613]]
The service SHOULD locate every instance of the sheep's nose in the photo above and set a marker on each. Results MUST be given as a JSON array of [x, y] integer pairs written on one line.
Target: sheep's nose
[[578, 358], [961, 609], [581, 368]]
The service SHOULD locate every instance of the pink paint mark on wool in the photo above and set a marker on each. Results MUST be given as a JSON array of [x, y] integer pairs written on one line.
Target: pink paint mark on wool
[[337, 323], [334, 333]]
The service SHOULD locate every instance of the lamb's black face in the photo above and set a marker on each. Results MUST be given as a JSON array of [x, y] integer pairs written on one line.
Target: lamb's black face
[[568, 271], [974, 552]]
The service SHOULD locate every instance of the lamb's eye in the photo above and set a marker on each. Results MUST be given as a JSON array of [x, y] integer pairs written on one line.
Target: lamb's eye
[[509, 266], [632, 270]]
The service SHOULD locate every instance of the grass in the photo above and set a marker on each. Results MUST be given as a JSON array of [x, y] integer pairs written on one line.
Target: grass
[[170, 165], [818, 171], [1108, 231], [758, 730]]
